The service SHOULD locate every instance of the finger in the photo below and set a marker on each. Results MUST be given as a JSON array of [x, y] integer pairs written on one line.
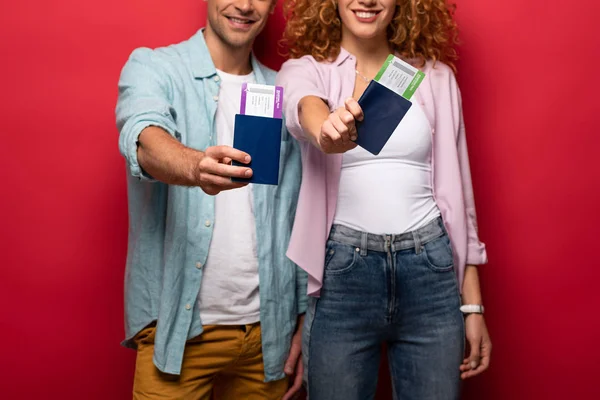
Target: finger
[[330, 134], [226, 160], [349, 120], [353, 134], [486, 349], [465, 366], [474, 357], [341, 124], [473, 372], [292, 359], [299, 371], [215, 182], [350, 146], [228, 171], [354, 108], [221, 152], [210, 190], [299, 375], [213, 190], [296, 386], [484, 364]]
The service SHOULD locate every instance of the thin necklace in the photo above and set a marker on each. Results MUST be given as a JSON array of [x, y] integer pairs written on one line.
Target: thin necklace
[[364, 78]]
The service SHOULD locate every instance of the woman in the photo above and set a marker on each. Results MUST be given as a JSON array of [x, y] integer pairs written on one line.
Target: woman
[[390, 241]]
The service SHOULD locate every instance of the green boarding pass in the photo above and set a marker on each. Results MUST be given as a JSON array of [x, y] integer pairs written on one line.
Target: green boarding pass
[[400, 77]]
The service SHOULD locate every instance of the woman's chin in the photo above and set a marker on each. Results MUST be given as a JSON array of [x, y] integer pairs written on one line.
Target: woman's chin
[[367, 35]]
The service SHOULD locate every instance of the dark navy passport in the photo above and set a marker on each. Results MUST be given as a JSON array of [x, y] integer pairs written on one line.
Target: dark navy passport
[[260, 137], [383, 110]]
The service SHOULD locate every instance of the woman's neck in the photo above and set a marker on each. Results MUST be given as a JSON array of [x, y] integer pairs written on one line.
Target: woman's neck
[[370, 53]]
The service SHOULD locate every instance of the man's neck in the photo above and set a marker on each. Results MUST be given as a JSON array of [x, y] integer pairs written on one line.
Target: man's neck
[[232, 60], [370, 53]]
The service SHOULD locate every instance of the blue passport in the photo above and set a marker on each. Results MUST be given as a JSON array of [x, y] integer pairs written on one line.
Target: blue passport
[[260, 137], [383, 110]]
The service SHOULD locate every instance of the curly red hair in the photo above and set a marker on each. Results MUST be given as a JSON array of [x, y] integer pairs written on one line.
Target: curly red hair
[[421, 30]]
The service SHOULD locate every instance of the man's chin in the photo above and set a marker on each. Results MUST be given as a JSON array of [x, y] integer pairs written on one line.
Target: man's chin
[[239, 39]]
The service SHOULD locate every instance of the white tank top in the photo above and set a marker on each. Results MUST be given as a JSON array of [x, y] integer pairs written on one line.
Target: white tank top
[[392, 192]]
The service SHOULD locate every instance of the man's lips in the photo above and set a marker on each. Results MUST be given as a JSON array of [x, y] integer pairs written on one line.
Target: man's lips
[[240, 20]]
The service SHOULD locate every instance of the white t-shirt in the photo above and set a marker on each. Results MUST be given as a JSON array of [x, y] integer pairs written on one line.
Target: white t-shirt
[[229, 289], [392, 192]]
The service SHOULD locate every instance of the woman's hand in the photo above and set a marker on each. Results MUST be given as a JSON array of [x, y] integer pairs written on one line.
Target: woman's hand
[[338, 132], [480, 347]]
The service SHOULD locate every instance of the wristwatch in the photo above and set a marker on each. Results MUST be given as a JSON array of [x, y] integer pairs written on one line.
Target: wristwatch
[[472, 309]]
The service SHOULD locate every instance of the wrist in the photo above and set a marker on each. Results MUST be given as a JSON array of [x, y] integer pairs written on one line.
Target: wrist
[[473, 317], [466, 299], [194, 159]]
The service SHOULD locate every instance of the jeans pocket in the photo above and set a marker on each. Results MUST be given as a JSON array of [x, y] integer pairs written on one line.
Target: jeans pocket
[[438, 254], [340, 258]]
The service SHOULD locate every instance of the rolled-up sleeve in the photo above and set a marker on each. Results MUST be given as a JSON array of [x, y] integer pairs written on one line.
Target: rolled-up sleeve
[[476, 251], [299, 78], [144, 100]]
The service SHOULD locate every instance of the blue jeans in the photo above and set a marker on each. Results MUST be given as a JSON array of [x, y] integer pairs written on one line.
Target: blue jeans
[[395, 289]]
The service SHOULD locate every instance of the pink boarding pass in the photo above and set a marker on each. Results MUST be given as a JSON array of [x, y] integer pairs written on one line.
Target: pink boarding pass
[[262, 100]]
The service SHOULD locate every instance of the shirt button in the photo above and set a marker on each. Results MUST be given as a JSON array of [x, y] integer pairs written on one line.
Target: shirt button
[[188, 307], [217, 78], [199, 265], [433, 131], [207, 223], [216, 98]]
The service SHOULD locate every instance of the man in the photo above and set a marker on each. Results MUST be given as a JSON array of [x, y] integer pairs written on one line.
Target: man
[[213, 306]]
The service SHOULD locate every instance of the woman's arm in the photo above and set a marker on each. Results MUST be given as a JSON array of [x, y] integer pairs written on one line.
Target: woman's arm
[[330, 132], [476, 330], [307, 112], [477, 335], [312, 112]]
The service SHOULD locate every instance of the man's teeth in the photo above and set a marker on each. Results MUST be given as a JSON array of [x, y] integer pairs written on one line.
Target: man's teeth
[[362, 14], [240, 21]]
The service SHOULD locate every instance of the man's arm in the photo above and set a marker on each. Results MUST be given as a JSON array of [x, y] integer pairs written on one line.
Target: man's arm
[[164, 158], [148, 136]]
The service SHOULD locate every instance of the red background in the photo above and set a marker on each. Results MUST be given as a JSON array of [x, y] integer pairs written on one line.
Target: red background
[[530, 87]]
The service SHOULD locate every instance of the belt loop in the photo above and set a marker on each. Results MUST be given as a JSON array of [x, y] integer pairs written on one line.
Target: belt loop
[[393, 244], [364, 238], [417, 240]]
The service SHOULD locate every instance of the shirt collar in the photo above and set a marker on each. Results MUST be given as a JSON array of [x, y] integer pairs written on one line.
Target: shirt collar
[[343, 56]]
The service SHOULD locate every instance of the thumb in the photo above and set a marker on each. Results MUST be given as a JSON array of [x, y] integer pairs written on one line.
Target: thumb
[[292, 359], [475, 356]]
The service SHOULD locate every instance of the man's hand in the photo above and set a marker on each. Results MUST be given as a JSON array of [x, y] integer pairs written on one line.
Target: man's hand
[[338, 132], [480, 347], [294, 368], [214, 172]]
